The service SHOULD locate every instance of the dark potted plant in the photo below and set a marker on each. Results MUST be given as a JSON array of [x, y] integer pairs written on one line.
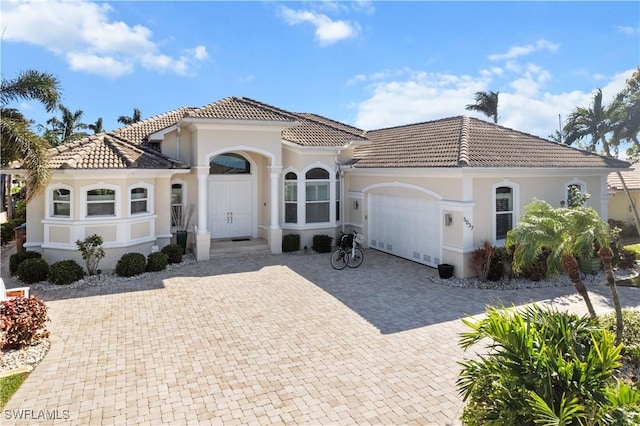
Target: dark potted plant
[[181, 224], [445, 270]]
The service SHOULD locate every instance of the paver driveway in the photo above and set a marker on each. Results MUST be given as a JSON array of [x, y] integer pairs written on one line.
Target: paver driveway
[[264, 340]]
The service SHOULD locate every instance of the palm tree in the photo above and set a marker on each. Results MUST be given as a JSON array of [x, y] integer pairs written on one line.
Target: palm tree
[[567, 234], [18, 141], [97, 126], [130, 120], [593, 121], [68, 127], [486, 103]]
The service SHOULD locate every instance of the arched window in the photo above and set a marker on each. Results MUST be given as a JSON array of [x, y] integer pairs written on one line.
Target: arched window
[[291, 198], [317, 195], [228, 164], [504, 209]]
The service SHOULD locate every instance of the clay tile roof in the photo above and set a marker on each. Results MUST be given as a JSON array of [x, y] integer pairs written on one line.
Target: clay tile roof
[[470, 142], [631, 179], [138, 132], [107, 151], [315, 130], [233, 108]]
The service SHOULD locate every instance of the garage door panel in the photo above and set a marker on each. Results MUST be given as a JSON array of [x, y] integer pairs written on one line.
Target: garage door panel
[[405, 227]]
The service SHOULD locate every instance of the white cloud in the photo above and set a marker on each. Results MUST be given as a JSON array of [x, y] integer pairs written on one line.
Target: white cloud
[[517, 51], [83, 33], [327, 31], [525, 105], [627, 30]]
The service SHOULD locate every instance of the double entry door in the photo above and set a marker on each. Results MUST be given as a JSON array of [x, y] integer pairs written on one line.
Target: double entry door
[[231, 207]]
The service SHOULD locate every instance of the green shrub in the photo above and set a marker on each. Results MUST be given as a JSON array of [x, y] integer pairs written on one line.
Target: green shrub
[[131, 264], [17, 258], [290, 242], [322, 243], [174, 252], [23, 321], [157, 262], [65, 272], [538, 271], [8, 232], [543, 367], [33, 270], [630, 332], [92, 251]]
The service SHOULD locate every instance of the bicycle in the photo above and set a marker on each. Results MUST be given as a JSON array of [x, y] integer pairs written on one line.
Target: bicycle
[[348, 252]]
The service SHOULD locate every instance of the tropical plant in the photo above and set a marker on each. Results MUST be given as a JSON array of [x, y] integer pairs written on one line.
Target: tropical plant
[[18, 142], [543, 367], [92, 251], [23, 322], [96, 127], [486, 103], [68, 128], [126, 120], [566, 234]]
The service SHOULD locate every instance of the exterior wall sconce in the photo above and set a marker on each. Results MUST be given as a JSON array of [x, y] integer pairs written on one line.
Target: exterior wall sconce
[[448, 219], [356, 205], [562, 203]]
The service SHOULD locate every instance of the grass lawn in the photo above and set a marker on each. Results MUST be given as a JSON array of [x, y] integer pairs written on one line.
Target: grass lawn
[[635, 248], [9, 385]]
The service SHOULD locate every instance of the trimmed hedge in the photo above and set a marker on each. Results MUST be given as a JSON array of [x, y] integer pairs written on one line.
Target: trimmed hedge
[[290, 242], [157, 262], [16, 259], [33, 270], [322, 243], [65, 272], [131, 264], [174, 253]]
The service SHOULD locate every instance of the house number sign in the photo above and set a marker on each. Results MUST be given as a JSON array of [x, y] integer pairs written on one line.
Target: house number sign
[[468, 223]]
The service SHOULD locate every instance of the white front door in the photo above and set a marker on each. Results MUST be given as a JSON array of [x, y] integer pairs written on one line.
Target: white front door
[[230, 208], [406, 227]]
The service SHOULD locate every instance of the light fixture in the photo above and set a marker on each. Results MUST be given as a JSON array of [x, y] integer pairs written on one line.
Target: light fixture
[[355, 204], [448, 219]]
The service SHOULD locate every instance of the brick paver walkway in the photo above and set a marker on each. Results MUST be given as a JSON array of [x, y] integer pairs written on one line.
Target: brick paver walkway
[[265, 340]]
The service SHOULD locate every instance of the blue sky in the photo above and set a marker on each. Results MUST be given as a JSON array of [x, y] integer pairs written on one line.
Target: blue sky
[[371, 64]]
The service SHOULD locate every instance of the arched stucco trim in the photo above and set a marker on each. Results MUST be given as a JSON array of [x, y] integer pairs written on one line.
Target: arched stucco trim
[[49, 201], [403, 185], [242, 148]]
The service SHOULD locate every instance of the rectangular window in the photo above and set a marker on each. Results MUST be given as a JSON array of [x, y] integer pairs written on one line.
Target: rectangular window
[[504, 212], [176, 204], [101, 202], [338, 200], [317, 206], [291, 202], [62, 202], [139, 200]]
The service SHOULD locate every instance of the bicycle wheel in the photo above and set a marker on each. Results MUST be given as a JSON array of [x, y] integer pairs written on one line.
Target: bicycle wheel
[[339, 259], [357, 259]]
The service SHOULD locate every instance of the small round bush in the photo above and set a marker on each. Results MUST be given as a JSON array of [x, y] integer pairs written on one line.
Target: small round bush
[[65, 272], [157, 262], [16, 259], [131, 264], [174, 253], [33, 270]]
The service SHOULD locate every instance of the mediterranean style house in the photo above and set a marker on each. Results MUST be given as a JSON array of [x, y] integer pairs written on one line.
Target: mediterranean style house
[[619, 205], [429, 192]]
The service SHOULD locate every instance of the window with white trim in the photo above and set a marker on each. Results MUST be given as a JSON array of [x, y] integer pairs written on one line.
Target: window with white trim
[[317, 195], [338, 195], [177, 203], [101, 202], [504, 211], [61, 200], [291, 198], [139, 200]]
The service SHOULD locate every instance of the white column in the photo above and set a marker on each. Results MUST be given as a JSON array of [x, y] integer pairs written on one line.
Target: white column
[[274, 173], [203, 198]]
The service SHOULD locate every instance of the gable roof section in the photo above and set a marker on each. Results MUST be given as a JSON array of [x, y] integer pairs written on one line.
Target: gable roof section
[[631, 179], [470, 142], [233, 108], [107, 151], [315, 130], [138, 133]]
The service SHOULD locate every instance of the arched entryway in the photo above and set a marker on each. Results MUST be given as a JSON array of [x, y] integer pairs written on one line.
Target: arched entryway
[[232, 198]]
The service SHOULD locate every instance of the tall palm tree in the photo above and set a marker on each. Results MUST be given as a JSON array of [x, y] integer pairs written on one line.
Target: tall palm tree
[[69, 126], [593, 121], [18, 141], [567, 233], [96, 127], [486, 103], [126, 120]]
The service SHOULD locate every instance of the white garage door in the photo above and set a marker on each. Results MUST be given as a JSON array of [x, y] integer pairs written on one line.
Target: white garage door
[[405, 227]]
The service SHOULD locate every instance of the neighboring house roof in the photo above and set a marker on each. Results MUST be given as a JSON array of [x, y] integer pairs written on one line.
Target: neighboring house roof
[[469, 142], [107, 151], [631, 179]]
